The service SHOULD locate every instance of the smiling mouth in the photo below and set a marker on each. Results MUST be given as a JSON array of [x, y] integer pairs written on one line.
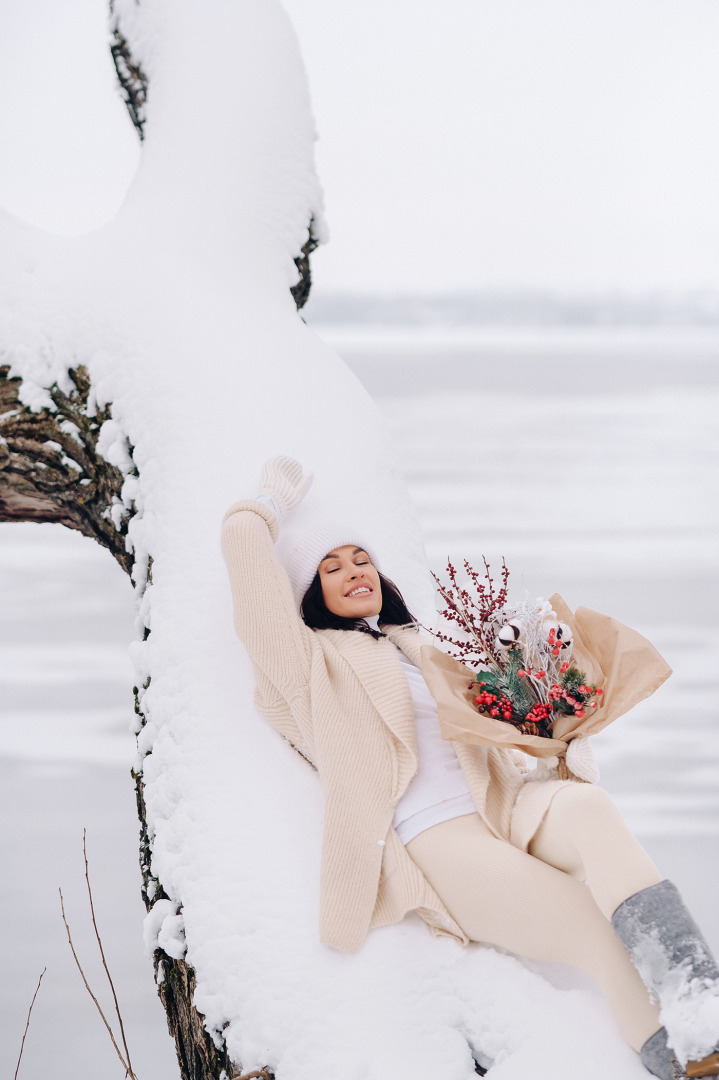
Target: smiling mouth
[[361, 591]]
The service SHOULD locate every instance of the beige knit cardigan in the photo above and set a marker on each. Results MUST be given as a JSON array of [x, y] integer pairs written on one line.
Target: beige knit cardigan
[[341, 699]]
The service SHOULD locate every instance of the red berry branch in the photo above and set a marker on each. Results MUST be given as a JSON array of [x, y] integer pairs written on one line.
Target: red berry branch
[[473, 614]]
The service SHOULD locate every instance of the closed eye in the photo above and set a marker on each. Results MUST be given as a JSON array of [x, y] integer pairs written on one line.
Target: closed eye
[[363, 561]]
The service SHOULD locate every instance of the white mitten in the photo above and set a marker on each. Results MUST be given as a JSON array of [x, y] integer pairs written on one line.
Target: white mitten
[[283, 481], [580, 760]]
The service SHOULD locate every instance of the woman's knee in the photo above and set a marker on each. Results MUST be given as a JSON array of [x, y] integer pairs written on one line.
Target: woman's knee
[[582, 819], [576, 801]]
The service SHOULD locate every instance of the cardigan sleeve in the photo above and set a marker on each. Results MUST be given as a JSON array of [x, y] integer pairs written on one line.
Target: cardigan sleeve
[[265, 616]]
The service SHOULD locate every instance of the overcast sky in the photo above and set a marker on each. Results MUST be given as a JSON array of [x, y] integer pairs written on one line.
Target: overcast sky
[[560, 144]]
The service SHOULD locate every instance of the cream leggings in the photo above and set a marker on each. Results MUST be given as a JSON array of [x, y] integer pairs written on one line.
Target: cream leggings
[[555, 903]]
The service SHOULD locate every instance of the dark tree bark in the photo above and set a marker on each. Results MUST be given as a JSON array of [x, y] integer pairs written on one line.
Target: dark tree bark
[[131, 77], [301, 290]]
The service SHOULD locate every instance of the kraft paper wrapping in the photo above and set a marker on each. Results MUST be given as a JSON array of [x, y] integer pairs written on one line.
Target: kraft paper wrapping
[[614, 657]]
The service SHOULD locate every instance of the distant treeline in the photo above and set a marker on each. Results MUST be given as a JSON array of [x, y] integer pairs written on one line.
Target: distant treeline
[[518, 308]]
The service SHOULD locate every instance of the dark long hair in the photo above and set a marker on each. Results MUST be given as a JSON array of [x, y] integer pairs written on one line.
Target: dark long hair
[[318, 617]]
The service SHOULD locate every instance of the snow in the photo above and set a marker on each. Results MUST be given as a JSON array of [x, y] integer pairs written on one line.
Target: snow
[[164, 929], [688, 1016], [113, 446], [181, 310]]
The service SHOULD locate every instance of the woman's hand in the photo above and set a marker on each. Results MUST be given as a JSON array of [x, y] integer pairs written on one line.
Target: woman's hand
[[580, 760], [282, 479]]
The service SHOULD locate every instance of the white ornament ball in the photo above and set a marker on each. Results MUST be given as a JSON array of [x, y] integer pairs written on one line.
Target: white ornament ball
[[509, 634], [562, 637]]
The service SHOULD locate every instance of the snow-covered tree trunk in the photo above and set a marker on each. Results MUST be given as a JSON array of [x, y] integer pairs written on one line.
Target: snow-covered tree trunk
[[64, 460], [52, 471]]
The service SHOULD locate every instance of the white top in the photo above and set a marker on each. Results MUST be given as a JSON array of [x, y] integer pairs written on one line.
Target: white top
[[438, 791]]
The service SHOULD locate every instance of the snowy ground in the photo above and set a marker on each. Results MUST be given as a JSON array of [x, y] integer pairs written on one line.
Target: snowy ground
[[588, 460]]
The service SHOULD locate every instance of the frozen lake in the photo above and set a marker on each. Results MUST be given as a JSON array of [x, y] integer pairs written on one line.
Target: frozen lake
[[588, 460]]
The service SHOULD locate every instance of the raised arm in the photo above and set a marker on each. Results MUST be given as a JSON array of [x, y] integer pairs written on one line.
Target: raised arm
[[265, 615]]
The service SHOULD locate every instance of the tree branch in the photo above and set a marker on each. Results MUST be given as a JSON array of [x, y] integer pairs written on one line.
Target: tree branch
[[50, 469]]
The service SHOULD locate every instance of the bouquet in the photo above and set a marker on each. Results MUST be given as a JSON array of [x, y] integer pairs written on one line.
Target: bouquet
[[523, 653], [534, 675]]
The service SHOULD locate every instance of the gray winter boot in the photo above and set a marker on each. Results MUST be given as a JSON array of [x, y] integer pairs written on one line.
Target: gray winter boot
[[658, 1059], [676, 965]]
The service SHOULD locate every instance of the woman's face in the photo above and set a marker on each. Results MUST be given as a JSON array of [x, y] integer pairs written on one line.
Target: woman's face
[[350, 584]]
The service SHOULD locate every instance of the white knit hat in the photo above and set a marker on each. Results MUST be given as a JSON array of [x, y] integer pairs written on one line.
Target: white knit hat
[[302, 554]]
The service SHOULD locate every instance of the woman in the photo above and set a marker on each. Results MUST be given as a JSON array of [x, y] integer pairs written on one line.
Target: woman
[[416, 823]]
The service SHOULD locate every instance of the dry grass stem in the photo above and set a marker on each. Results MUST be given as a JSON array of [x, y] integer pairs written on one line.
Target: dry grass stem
[[125, 1065], [27, 1023], [102, 954]]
